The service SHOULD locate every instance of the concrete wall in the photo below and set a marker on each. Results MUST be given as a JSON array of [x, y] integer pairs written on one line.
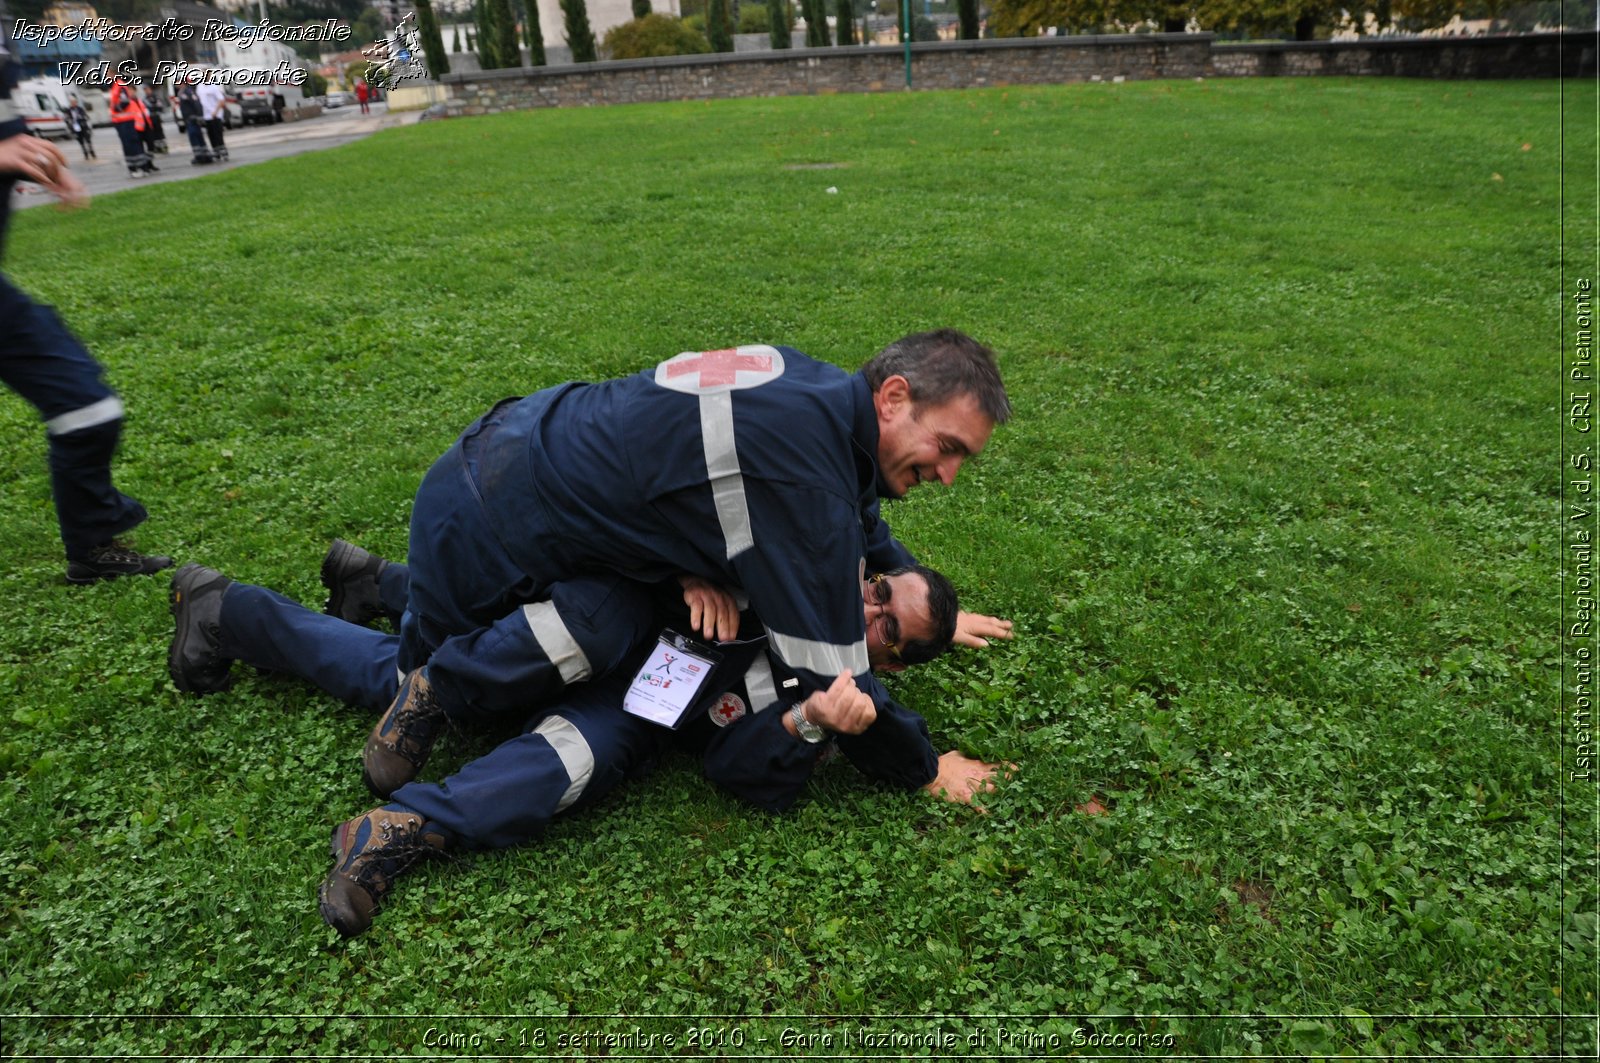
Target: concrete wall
[[1040, 60]]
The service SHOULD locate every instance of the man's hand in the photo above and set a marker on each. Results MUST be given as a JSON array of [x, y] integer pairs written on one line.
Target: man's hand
[[975, 629], [842, 708], [712, 611], [41, 162], [961, 778]]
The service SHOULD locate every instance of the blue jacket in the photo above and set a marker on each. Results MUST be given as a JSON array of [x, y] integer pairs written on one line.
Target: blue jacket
[[752, 467]]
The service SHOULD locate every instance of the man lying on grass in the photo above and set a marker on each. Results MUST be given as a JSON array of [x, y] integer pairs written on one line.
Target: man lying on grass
[[752, 739]]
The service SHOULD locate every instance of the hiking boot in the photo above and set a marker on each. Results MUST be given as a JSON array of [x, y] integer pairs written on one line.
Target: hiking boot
[[369, 853], [400, 743], [112, 560], [351, 576], [193, 659]]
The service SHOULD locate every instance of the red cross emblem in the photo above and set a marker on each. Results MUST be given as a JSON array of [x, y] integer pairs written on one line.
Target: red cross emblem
[[708, 372]]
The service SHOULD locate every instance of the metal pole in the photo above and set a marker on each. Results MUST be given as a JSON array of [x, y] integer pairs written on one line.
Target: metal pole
[[905, 35]]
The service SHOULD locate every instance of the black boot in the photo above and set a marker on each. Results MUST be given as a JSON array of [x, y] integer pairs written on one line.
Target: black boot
[[194, 660], [351, 576], [114, 559]]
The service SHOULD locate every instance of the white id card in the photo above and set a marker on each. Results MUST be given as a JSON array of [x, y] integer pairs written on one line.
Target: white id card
[[670, 678]]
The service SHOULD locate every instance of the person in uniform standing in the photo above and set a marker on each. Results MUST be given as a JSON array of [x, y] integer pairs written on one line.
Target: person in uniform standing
[[47, 365]]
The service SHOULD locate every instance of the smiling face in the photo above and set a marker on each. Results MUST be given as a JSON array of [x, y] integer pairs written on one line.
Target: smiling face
[[919, 442], [897, 611]]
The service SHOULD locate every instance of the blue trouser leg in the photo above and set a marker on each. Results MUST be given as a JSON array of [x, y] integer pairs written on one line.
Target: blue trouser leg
[[197, 139], [133, 152], [45, 364], [353, 663], [569, 758], [585, 629]]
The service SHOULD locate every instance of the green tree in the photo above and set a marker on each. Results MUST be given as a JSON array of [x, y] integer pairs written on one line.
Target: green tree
[[654, 35], [844, 19], [641, 8], [718, 31], [968, 10], [456, 46], [779, 23], [508, 52], [367, 27], [535, 35], [816, 12], [432, 41], [580, 38]]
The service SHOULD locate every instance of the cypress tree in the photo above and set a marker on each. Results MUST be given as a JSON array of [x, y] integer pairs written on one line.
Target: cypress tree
[[507, 54], [845, 19], [816, 23], [580, 38], [483, 40], [535, 35], [717, 31], [456, 47], [778, 23], [969, 19], [432, 41]]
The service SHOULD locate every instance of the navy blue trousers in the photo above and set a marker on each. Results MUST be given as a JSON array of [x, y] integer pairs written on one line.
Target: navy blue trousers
[[45, 364], [568, 758], [586, 628], [133, 148]]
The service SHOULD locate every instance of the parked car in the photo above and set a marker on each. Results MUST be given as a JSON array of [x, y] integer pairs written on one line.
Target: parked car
[[340, 99]]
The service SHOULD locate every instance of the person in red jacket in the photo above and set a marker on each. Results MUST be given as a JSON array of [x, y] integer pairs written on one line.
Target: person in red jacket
[[130, 119], [362, 95]]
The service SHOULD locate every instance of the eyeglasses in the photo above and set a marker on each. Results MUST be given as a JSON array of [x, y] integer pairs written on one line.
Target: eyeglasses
[[879, 593]]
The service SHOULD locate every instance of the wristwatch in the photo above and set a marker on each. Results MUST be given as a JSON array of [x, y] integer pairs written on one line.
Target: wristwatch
[[808, 730]]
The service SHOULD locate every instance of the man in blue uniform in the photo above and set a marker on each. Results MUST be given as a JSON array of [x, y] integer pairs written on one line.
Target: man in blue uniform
[[45, 364], [573, 753], [756, 468]]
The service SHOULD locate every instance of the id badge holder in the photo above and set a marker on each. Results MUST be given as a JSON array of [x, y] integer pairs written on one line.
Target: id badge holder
[[670, 679]]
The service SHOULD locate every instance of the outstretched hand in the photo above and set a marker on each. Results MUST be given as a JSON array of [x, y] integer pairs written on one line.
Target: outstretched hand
[[43, 163], [961, 778], [975, 629]]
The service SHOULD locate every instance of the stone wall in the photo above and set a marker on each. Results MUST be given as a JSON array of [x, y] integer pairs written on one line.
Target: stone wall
[[1033, 61], [818, 71], [1543, 55]]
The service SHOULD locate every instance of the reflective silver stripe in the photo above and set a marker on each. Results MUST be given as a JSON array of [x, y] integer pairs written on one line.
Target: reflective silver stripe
[[824, 658], [108, 409], [758, 684], [575, 754], [722, 466], [551, 633]]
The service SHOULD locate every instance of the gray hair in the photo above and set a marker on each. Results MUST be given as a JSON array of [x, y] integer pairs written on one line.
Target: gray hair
[[942, 365]]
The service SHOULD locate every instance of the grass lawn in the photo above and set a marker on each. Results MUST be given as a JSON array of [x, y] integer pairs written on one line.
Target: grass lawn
[[1278, 519]]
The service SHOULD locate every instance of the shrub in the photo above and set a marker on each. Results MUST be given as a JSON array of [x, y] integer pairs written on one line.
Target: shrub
[[655, 35], [753, 18]]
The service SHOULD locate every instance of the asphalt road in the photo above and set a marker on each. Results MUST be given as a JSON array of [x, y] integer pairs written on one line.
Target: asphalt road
[[107, 175]]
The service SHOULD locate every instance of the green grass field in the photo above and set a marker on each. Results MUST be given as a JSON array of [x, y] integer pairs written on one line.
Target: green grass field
[[1277, 518]]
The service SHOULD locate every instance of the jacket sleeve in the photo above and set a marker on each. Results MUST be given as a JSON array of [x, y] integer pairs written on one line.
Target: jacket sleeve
[[757, 760], [895, 750]]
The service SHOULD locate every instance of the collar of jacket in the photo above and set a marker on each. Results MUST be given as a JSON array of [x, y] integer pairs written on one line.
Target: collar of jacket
[[864, 434]]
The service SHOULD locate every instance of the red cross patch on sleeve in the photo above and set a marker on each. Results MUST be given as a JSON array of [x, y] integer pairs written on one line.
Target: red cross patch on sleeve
[[709, 372]]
